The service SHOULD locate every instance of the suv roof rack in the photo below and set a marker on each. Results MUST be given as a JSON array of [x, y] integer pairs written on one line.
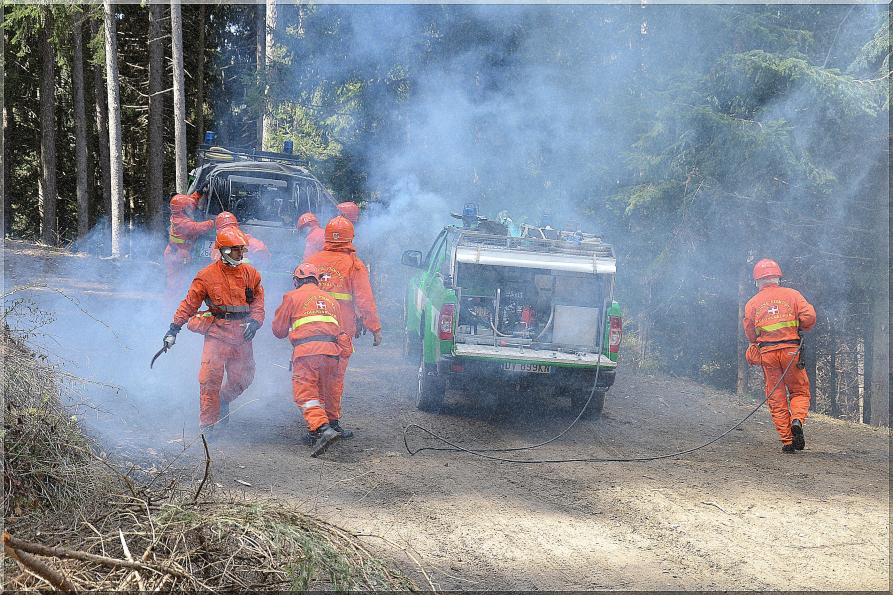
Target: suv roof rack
[[218, 154], [591, 245]]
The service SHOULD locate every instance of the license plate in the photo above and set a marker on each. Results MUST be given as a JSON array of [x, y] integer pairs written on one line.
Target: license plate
[[531, 368]]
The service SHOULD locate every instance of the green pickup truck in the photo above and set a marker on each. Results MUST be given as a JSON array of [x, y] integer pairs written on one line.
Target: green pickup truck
[[487, 309]]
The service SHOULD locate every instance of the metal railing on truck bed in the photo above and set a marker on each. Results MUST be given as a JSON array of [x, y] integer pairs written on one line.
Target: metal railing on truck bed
[[591, 255]]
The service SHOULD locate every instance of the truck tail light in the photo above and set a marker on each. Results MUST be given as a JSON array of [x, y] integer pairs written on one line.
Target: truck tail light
[[615, 334], [445, 322]]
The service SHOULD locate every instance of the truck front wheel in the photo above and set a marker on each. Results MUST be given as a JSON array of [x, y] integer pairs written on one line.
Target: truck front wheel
[[431, 388]]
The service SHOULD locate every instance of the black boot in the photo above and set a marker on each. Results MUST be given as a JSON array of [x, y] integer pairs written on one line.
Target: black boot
[[337, 427], [797, 431], [326, 437], [788, 448]]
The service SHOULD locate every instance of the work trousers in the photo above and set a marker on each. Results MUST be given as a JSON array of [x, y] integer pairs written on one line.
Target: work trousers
[[313, 377], [220, 358], [794, 386]]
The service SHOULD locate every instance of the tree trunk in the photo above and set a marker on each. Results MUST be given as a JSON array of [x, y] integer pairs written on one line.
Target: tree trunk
[[47, 131], [741, 378], [833, 374], [272, 19], [80, 123], [102, 129], [200, 78], [877, 403], [260, 25], [114, 105], [179, 95], [155, 184], [7, 128]]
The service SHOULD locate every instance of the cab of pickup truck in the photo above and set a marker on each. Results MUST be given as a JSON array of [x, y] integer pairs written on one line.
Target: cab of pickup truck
[[528, 312]]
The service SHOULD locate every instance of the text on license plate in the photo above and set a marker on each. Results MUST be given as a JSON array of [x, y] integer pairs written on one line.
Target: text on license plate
[[534, 368], [206, 250]]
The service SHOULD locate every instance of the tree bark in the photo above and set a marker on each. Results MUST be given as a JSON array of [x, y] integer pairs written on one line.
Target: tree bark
[[833, 374], [200, 77], [80, 122], [114, 108], [260, 25], [102, 129], [156, 196], [47, 131], [7, 121], [179, 96], [272, 21]]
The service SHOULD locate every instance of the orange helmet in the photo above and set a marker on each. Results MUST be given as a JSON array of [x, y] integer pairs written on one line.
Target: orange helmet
[[230, 237], [305, 270], [350, 210], [181, 203], [307, 219], [339, 230], [225, 219], [766, 268]]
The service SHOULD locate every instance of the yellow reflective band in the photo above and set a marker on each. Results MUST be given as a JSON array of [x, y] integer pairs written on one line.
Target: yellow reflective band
[[176, 240], [317, 318], [779, 325], [207, 314], [344, 297]]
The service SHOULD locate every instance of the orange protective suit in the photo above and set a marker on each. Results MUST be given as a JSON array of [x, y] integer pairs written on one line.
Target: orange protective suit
[[314, 242], [309, 317], [226, 352], [344, 275], [258, 254], [182, 234], [773, 319]]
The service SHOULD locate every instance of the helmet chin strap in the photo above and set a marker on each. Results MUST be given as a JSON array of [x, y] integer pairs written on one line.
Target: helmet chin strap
[[227, 260]]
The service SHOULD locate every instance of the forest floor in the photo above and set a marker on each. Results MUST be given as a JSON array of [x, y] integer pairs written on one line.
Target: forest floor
[[738, 515]]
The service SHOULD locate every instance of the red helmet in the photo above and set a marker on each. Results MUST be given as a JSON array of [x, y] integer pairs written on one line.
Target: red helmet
[[766, 268], [231, 237], [350, 210], [307, 219], [305, 270], [180, 203], [339, 231], [225, 219]]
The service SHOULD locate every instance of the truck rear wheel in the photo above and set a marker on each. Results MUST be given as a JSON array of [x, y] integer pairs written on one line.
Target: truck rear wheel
[[431, 388], [594, 409]]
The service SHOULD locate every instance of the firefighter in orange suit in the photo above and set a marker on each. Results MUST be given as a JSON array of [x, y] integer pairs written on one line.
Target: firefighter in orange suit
[[183, 233], [235, 298], [773, 321], [258, 254], [315, 237], [309, 317], [345, 276], [349, 209]]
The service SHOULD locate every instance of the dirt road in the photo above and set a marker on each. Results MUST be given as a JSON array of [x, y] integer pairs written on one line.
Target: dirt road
[[738, 515]]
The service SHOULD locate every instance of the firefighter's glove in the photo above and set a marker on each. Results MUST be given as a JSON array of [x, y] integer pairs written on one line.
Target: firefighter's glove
[[376, 338], [361, 328], [250, 329], [171, 337]]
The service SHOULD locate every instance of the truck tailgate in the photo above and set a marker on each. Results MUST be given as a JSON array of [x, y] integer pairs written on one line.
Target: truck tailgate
[[546, 356]]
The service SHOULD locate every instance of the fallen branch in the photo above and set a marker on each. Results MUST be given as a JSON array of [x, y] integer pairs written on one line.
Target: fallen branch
[[207, 467], [59, 552], [35, 566]]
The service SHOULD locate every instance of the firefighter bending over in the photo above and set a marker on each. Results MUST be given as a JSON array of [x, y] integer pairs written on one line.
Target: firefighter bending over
[[235, 298], [183, 233], [315, 237], [309, 317], [345, 276], [773, 321]]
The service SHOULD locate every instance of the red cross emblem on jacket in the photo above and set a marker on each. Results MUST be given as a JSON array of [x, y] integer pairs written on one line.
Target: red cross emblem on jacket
[[772, 311], [321, 305]]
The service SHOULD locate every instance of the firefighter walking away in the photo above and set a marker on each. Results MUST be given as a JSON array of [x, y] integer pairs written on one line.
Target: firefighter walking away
[[310, 318], [773, 320]]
